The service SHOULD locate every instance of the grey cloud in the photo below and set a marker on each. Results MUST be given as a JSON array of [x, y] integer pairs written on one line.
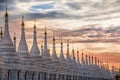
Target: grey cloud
[[101, 36], [80, 35], [98, 35], [61, 14], [74, 5], [85, 30], [10, 4], [113, 30], [51, 15], [96, 41], [65, 15], [112, 33], [96, 48], [33, 0], [6, 1], [72, 34]]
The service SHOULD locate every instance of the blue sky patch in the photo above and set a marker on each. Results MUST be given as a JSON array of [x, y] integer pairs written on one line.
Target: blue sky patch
[[42, 6]]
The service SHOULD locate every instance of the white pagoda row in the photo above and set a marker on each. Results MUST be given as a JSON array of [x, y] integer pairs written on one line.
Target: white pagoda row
[[25, 65]]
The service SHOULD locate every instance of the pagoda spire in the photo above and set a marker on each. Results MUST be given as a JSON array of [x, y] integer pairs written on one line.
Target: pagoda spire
[[35, 50], [45, 51], [107, 65], [61, 57], [22, 24], [1, 33], [89, 60], [98, 63], [73, 57], [67, 54], [14, 39], [92, 60], [68, 58], [54, 56], [6, 14], [41, 49], [23, 30], [101, 64], [78, 58], [35, 39], [95, 60], [6, 36], [86, 59], [22, 45], [82, 58]]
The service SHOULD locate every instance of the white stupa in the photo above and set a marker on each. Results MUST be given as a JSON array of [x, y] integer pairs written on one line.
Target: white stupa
[[69, 62], [8, 52], [27, 61], [51, 68], [55, 58], [35, 53]]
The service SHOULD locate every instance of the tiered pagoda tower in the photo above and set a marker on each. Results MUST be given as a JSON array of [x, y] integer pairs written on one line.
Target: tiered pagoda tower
[[7, 51]]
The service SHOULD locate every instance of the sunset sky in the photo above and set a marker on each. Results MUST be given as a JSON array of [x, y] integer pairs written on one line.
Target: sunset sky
[[91, 25]]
